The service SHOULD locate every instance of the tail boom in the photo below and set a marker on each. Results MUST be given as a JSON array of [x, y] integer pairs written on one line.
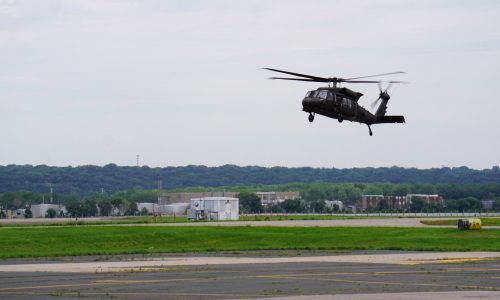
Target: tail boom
[[391, 119]]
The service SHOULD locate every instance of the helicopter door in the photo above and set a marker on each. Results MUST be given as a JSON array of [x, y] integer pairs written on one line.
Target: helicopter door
[[347, 107]]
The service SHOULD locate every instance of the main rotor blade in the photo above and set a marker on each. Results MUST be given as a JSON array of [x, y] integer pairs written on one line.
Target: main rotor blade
[[383, 74], [298, 79], [404, 82], [358, 81], [320, 79]]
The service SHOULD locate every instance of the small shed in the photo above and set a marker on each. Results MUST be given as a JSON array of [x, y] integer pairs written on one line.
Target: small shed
[[214, 208]]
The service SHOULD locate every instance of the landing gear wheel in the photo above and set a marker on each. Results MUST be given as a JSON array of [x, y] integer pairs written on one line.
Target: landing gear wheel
[[370, 130], [340, 120], [311, 118]]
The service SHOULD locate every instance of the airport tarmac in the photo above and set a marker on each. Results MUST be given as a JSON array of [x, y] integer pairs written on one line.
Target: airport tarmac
[[346, 276]]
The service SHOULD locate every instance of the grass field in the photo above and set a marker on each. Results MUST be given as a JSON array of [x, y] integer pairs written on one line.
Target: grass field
[[484, 222], [106, 240]]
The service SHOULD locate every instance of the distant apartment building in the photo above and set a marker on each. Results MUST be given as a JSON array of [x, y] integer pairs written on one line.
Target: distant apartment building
[[397, 202], [271, 198]]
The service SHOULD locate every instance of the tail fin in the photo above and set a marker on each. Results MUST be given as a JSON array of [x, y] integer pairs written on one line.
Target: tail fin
[[382, 108], [390, 119]]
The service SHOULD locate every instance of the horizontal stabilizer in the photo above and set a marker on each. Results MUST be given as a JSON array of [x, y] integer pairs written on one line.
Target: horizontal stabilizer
[[391, 119]]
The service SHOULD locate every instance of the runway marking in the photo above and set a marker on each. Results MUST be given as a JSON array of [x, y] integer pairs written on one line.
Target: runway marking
[[69, 293], [446, 261], [97, 282], [300, 277]]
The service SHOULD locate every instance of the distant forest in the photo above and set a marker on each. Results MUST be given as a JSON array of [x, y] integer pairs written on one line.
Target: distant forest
[[87, 180]]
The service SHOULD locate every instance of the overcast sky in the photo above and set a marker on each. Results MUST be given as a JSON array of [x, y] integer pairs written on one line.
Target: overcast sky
[[179, 82]]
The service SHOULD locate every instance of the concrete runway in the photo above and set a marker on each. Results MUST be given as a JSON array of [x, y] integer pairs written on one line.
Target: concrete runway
[[346, 276], [280, 274]]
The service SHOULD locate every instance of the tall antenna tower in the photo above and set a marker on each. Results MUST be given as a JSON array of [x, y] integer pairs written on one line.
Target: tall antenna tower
[[51, 193], [137, 160]]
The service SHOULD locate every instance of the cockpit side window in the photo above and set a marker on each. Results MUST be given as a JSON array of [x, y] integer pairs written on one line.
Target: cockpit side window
[[310, 94], [323, 94]]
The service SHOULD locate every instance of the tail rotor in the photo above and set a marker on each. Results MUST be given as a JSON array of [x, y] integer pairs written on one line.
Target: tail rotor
[[383, 95]]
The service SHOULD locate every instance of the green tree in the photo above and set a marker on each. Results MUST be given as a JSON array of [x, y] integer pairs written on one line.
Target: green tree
[[74, 208], [417, 204], [131, 209], [249, 202], [276, 209], [90, 208], [118, 204], [50, 213], [105, 207], [28, 213], [293, 206], [144, 211], [317, 206], [383, 206]]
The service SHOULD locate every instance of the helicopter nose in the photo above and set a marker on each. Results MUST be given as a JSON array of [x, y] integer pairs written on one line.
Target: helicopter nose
[[309, 102]]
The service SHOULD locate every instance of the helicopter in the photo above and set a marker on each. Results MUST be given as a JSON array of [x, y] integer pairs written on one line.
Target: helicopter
[[341, 103]]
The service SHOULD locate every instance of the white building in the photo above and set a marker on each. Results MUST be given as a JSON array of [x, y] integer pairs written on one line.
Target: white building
[[151, 207], [174, 209], [214, 208], [39, 210], [332, 203]]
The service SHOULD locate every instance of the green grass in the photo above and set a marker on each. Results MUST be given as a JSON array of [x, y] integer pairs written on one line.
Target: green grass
[[117, 221], [284, 217], [106, 240], [484, 222]]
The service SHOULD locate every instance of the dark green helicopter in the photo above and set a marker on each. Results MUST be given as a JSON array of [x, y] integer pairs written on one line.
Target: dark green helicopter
[[342, 103]]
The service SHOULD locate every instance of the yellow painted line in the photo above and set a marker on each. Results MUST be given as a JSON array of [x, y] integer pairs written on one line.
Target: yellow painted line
[[445, 261], [461, 260]]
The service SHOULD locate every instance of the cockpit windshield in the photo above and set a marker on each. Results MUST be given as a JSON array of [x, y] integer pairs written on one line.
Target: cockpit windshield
[[322, 94]]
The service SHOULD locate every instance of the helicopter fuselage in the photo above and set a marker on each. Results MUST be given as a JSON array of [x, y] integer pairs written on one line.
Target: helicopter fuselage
[[337, 103]]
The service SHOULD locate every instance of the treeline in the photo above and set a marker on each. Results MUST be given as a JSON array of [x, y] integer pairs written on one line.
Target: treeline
[[121, 203], [458, 197], [86, 180]]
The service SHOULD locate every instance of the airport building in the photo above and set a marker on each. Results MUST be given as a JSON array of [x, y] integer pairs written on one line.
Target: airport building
[[334, 205], [151, 207], [214, 208], [39, 210], [397, 202], [271, 198], [170, 198]]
